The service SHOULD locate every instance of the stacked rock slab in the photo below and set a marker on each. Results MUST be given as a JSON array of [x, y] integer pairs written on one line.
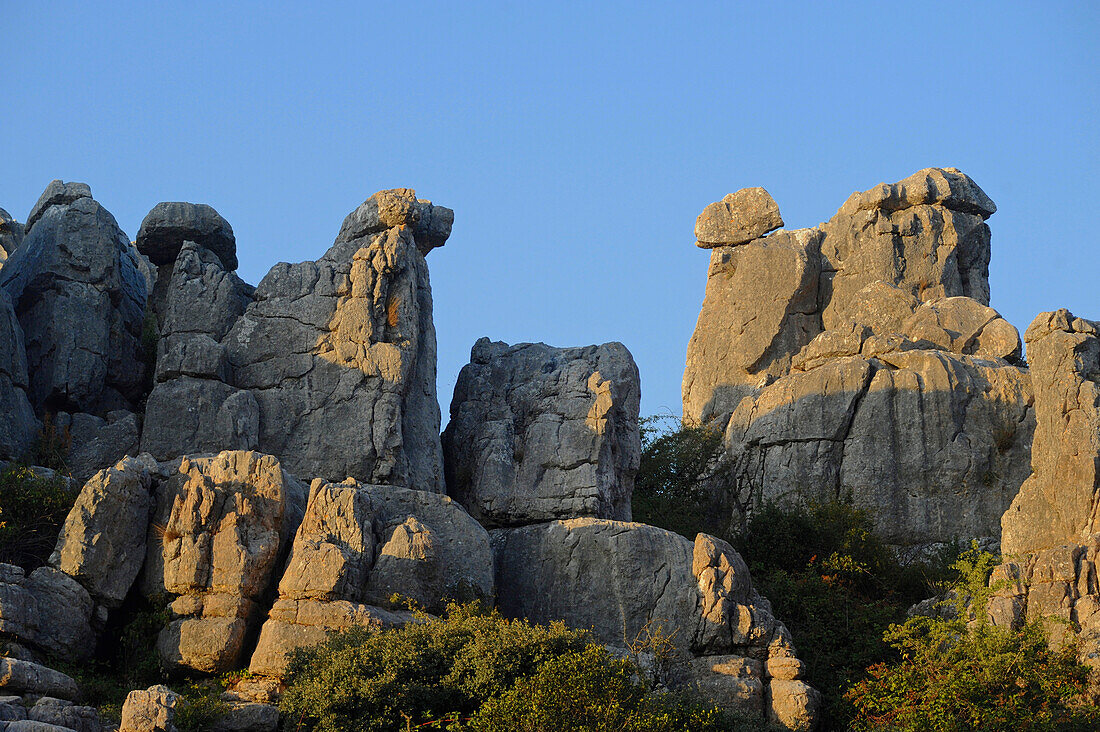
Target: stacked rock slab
[[860, 359], [1051, 532], [331, 364], [628, 582], [359, 546], [79, 295], [540, 433], [220, 528]]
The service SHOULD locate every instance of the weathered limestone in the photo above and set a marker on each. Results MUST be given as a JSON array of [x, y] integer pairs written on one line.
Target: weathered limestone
[[738, 218], [1051, 538], [24, 677], [65, 715], [47, 610], [97, 443], [11, 236], [80, 298], [151, 710], [102, 542], [539, 433], [218, 528], [865, 363], [20, 427], [624, 581], [328, 365], [357, 547]]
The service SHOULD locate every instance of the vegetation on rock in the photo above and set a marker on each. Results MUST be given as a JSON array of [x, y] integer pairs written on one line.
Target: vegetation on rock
[[32, 509]]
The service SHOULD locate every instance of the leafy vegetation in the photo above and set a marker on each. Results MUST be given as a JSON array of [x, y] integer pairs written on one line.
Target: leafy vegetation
[[474, 670], [957, 671], [32, 509]]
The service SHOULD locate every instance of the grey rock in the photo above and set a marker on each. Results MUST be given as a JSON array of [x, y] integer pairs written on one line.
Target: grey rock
[[964, 325], [761, 308], [738, 218], [57, 193], [431, 225], [97, 443], [151, 710], [248, 717], [11, 235], [734, 683], [30, 725], [12, 709], [949, 187], [80, 298], [219, 529], [359, 545], [102, 542], [65, 611], [168, 225], [64, 714], [199, 415], [24, 677], [794, 705], [540, 433], [20, 428]]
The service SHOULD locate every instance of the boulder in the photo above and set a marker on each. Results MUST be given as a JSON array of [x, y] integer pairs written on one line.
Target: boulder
[[12, 709], [19, 430], [627, 582], [80, 298], [151, 710], [248, 717], [794, 705], [964, 325], [96, 443], [66, 715], [24, 677], [219, 527], [760, 308], [327, 365], [11, 235], [169, 224], [47, 610], [737, 219], [539, 433], [102, 542], [357, 547]]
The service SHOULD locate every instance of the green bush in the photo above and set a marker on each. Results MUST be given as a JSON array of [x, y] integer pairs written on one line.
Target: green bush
[[966, 674], [424, 671], [32, 509], [682, 483], [589, 690]]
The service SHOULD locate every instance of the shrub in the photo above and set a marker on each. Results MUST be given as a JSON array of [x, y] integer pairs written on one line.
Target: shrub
[[51, 449], [32, 509], [964, 673], [590, 690], [682, 483], [368, 680]]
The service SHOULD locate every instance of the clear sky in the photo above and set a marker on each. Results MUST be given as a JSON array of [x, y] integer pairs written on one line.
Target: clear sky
[[576, 142]]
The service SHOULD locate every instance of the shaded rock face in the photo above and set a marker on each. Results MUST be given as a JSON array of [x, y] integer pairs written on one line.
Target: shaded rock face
[[220, 526], [625, 581], [860, 359], [329, 365], [540, 433], [357, 547], [47, 610], [11, 235], [79, 296], [20, 427]]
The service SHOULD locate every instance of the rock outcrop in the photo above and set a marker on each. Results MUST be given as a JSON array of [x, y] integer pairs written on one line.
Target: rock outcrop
[[20, 427], [1051, 535], [47, 610], [540, 433], [860, 359], [626, 582], [359, 546], [11, 236], [79, 296], [331, 364]]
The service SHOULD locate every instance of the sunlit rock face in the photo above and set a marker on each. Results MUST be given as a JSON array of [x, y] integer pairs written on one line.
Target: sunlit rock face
[[329, 365], [859, 359], [540, 433]]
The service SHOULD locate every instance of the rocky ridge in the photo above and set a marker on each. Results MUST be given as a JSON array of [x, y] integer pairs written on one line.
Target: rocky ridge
[[189, 404]]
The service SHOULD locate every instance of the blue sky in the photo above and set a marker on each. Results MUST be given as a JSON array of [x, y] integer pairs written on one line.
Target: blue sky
[[576, 142]]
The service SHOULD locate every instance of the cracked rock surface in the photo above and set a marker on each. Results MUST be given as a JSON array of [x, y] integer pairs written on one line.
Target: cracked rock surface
[[539, 433]]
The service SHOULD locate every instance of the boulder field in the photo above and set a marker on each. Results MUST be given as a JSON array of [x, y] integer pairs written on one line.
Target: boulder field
[[265, 463]]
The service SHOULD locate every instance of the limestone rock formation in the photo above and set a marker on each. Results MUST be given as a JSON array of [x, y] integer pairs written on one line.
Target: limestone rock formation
[[97, 442], [1051, 535], [65, 715], [11, 236], [359, 545], [24, 677], [219, 527], [540, 433], [150, 710], [80, 298], [624, 581], [738, 218], [20, 427], [102, 542], [47, 610], [860, 358], [330, 367]]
